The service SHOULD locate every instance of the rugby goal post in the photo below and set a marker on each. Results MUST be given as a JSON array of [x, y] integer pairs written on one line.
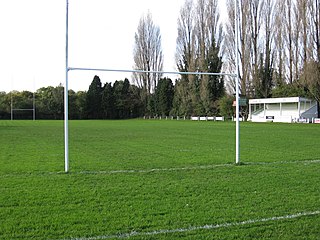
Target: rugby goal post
[[67, 69], [33, 109]]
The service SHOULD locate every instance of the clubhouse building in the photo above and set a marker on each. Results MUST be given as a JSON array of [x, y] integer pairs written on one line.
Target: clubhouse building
[[287, 110]]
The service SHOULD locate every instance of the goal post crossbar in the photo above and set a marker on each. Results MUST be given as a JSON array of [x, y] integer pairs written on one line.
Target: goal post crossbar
[[144, 71]]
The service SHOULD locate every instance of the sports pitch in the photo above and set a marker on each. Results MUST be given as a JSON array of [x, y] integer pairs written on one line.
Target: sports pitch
[[145, 179]]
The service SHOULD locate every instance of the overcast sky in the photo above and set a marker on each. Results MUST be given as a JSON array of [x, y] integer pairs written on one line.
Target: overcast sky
[[101, 35]]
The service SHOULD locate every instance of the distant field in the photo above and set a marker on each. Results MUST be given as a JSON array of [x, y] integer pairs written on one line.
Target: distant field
[[142, 179]]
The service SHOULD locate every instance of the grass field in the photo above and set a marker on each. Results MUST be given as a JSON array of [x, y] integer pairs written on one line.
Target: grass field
[[141, 179]]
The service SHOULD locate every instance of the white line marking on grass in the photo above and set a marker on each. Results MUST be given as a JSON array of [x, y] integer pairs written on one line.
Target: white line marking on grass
[[158, 169], [283, 162], [205, 167], [195, 228]]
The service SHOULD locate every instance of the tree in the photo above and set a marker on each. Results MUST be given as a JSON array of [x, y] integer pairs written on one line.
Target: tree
[[310, 78], [121, 99], [244, 47], [134, 102], [50, 102], [244, 50], [148, 56], [93, 99], [289, 90], [81, 98], [164, 97], [198, 48], [279, 44], [181, 101], [186, 90], [209, 39], [73, 108], [4, 105], [264, 81], [107, 103], [314, 12], [256, 18], [226, 106]]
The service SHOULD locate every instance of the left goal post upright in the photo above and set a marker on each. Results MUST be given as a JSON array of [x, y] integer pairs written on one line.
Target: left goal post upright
[[66, 110]]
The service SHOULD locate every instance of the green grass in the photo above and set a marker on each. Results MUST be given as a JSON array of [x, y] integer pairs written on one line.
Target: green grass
[[39, 201]]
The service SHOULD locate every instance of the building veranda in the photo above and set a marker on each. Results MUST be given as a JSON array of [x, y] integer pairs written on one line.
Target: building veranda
[[287, 110]]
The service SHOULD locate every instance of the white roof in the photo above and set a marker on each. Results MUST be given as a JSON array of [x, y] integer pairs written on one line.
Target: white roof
[[279, 100]]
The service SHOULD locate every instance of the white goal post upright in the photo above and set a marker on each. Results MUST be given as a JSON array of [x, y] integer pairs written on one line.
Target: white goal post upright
[[236, 32], [66, 110], [66, 90]]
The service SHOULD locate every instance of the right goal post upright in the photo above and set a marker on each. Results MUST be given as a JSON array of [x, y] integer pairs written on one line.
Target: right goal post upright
[[237, 82]]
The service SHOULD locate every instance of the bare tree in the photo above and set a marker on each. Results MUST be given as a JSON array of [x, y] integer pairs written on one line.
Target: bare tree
[[302, 12], [148, 55], [186, 58], [289, 36], [186, 52], [198, 49], [266, 62], [244, 49], [209, 37], [255, 17], [279, 44], [229, 46], [314, 12]]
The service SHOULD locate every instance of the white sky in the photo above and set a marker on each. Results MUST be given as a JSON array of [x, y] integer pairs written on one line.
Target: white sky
[[101, 35]]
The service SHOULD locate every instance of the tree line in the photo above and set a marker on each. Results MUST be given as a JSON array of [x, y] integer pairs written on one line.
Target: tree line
[[278, 51], [118, 100]]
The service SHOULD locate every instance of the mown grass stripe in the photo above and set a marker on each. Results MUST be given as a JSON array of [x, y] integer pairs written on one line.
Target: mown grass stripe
[[205, 227]]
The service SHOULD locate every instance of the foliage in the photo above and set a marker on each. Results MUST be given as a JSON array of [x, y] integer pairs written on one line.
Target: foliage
[[50, 103], [108, 101], [310, 78], [226, 106], [94, 97], [4, 105], [164, 97], [265, 76], [289, 90]]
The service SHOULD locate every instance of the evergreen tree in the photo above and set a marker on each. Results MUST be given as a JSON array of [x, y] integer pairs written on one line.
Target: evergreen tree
[[264, 88], [164, 97], [81, 104], [121, 99], [94, 110], [134, 102], [108, 101], [73, 110]]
